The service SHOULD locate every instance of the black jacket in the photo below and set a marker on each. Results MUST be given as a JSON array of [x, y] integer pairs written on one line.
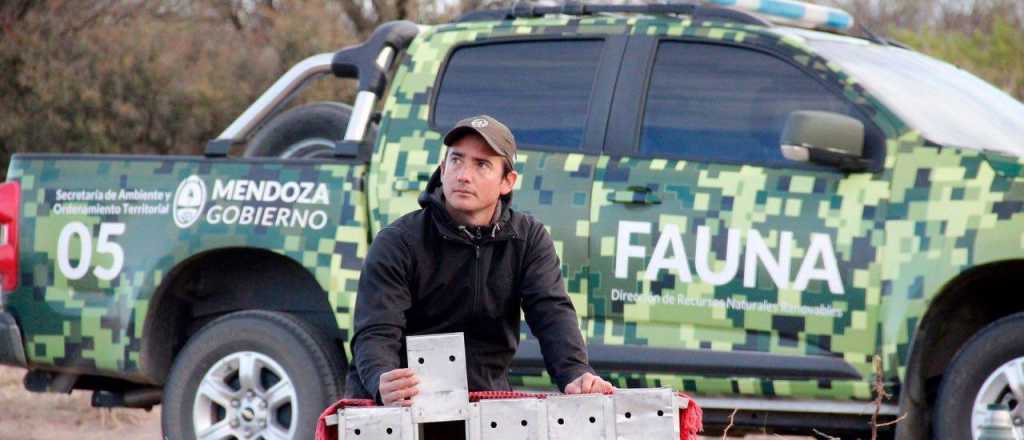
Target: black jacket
[[424, 274]]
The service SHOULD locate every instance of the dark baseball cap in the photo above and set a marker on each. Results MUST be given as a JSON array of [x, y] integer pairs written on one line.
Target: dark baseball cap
[[497, 135]]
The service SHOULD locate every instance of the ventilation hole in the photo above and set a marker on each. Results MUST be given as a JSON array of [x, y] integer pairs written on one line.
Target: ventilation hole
[[357, 431], [494, 425], [388, 431], [523, 423], [561, 421], [628, 415], [421, 361], [592, 419], [661, 413], [451, 358]]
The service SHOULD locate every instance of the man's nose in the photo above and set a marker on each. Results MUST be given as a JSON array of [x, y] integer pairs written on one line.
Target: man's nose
[[463, 175]]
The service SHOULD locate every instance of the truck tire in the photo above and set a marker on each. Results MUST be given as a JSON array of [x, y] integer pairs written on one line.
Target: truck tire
[[251, 375], [304, 132], [985, 371]]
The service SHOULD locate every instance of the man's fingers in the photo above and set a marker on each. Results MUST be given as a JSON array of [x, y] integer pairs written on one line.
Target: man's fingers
[[404, 393], [587, 383], [397, 373], [400, 396], [408, 392], [603, 386], [397, 384], [573, 387]]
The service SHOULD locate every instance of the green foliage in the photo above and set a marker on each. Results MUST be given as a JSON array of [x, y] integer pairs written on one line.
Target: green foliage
[[125, 79], [995, 55], [984, 37]]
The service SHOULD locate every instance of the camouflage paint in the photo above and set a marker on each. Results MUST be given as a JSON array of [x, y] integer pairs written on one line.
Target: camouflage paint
[[89, 323], [949, 210], [894, 230], [852, 210], [551, 185], [745, 198]]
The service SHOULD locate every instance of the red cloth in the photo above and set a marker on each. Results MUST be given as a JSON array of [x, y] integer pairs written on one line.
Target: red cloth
[[324, 432], [691, 418], [477, 396]]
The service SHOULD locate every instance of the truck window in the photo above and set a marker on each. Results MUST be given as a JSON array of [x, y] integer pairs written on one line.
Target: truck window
[[540, 89], [717, 102]]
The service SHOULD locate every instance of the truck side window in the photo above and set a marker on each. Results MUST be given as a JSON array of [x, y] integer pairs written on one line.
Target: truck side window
[[718, 102], [540, 89]]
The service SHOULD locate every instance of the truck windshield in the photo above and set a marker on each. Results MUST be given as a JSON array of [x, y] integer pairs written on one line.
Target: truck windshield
[[946, 104]]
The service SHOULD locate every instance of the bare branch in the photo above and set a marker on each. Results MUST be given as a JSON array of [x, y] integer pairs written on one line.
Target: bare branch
[[407, 10], [893, 422], [732, 416], [355, 13], [829, 437], [880, 396], [100, 10], [16, 10], [385, 10], [879, 389]]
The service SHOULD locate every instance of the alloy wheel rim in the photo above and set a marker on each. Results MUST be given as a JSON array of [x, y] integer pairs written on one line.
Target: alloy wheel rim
[[1003, 387], [245, 396]]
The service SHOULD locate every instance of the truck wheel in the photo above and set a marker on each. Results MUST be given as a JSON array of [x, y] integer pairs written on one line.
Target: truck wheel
[[305, 132], [988, 369], [251, 375]]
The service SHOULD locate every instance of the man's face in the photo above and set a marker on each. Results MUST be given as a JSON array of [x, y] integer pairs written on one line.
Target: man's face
[[473, 178]]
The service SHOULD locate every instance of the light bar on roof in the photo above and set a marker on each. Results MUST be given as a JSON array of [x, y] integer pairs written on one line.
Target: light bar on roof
[[794, 12]]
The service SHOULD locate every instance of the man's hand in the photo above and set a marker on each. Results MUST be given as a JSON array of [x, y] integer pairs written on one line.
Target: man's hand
[[588, 383], [398, 386]]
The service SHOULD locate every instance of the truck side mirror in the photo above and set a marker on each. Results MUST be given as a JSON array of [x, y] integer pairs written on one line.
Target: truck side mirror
[[824, 138]]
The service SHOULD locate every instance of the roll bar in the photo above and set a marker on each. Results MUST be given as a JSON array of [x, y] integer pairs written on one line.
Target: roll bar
[[368, 63]]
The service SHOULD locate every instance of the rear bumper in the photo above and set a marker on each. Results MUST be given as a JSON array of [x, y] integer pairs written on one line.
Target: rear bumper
[[12, 352]]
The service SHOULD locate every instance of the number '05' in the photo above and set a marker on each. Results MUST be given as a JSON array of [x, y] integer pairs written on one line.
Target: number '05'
[[103, 246]]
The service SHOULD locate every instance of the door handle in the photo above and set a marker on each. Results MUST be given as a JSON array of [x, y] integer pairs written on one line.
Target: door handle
[[634, 195], [407, 185]]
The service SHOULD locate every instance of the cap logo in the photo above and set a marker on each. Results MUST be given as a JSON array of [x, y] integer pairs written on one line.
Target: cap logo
[[479, 123]]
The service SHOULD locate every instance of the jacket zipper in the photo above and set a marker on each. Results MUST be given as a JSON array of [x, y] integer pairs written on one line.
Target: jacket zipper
[[476, 280], [476, 274]]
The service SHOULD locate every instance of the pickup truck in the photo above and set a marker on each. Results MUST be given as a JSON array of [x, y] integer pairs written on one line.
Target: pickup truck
[[747, 209]]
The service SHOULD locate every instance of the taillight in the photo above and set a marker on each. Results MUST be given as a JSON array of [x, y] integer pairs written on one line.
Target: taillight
[[10, 204]]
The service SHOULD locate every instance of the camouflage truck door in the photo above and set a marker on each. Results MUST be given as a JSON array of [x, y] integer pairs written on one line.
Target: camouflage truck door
[[713, 255], [551, 83]]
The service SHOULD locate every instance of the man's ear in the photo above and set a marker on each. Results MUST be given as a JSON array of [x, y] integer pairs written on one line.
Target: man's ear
[[444, 161], [508, 182]]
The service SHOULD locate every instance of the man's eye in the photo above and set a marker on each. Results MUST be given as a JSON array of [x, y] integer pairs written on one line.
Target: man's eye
[[485, 165]]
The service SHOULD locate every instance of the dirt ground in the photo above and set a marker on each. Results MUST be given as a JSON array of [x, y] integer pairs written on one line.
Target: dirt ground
[[31, 416]]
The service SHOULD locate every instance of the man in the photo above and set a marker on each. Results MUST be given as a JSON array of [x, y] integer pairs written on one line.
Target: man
[[465, 262]]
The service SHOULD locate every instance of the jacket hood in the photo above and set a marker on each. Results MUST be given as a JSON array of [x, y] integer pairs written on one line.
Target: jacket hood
[[432, 199]]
